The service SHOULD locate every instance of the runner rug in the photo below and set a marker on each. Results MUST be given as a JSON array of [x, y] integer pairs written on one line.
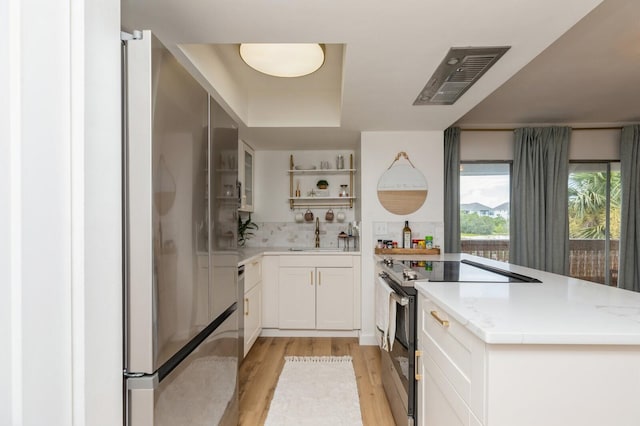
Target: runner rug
[[315, 391]]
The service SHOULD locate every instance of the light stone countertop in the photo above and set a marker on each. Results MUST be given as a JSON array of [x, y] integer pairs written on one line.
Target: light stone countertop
[[247, 254], [560, 310]]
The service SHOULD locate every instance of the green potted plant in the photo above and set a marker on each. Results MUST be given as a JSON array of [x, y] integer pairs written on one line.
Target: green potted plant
[[244, 229], [322, 184]]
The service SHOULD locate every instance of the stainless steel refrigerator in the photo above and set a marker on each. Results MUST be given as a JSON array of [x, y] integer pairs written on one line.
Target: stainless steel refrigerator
[[181, 291]]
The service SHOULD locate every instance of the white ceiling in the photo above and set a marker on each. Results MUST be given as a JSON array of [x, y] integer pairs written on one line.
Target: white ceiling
[[590, 77], [380, 55]]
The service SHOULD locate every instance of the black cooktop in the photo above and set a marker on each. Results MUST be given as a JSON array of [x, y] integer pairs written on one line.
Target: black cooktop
[[407, 271]]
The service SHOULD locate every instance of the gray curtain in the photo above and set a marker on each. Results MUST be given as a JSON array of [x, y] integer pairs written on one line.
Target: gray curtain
[[452, 190], [539, 224], [629, 261]]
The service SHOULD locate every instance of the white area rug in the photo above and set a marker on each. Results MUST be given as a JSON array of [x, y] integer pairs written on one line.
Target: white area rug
[[316, 391]]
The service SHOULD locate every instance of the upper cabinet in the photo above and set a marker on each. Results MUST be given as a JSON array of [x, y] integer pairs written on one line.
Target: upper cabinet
[[246, 162]]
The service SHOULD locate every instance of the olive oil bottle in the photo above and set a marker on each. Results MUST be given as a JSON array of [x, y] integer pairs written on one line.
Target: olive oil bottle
[[406, 235]]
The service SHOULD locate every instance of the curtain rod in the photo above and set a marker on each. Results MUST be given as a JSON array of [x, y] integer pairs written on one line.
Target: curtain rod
[[512, 130]]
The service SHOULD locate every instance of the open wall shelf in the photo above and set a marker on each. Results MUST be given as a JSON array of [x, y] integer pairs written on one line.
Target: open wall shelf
[[299, 201]]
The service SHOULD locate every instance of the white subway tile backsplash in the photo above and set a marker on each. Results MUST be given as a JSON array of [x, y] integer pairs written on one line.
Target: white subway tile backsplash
[[296, 235]]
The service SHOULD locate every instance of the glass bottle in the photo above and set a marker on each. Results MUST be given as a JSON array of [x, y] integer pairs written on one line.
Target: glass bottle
[[406, 235]]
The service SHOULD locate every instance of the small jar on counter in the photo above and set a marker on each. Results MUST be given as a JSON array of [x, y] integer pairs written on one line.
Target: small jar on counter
[[428, 242]]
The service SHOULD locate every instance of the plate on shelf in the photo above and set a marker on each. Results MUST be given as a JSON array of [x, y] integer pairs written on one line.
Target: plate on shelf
[[305, 167]]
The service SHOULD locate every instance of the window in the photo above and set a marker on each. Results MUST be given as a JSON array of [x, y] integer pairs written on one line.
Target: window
[[594, 221], [484, 209]]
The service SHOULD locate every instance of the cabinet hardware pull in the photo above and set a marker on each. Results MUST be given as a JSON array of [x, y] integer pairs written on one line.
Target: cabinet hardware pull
[[319, 278], [311, 276], [442, 322], [255, 263], [246, 307], [417, 356]]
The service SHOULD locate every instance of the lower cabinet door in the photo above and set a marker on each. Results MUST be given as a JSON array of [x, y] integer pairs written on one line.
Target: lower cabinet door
[[297, 298], [438, 402], [334, 299], [252, 316]]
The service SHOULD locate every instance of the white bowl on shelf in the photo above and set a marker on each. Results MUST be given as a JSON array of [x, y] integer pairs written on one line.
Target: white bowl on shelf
[[305, 167]]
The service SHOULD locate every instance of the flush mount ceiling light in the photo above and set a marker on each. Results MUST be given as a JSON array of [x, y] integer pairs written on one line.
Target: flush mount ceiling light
[[283, 59]]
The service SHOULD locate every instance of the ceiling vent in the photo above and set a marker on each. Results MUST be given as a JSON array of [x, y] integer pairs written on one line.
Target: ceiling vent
[[459, 70]]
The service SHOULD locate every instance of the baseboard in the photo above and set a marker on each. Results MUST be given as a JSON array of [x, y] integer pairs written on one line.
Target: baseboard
[[368, 340], [276, 332]]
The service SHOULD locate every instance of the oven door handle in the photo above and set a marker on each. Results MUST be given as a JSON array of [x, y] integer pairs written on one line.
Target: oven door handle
[[417, 355], [402, 301]]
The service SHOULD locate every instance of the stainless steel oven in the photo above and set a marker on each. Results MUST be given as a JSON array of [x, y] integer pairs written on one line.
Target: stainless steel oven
[[398, 367]]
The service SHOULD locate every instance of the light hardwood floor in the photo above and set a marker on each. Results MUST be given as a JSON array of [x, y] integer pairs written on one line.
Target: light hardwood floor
[[261, 368]]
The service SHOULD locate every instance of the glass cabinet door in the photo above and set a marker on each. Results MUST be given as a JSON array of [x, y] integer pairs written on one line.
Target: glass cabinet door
[[246, 176]]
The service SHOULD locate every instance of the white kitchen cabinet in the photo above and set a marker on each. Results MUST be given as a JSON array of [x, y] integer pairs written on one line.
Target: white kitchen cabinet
[[459, 355], [334, 298], [252, 303], [270, 271], [297, 298], [252, 316], [246, 176], [252, 273], [438, 402], [450, 364], [317, 297]]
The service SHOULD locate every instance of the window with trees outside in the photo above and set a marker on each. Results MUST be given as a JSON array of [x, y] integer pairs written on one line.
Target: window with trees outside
[[485, 190], [594, 221]]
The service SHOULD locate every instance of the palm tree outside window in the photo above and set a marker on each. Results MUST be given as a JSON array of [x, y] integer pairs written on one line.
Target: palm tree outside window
[[594, 220]]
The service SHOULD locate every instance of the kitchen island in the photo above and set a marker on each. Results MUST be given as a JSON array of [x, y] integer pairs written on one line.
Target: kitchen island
[[560, 352]]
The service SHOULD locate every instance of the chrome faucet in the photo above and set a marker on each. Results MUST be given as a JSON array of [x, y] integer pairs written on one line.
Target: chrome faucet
[[317, 232]]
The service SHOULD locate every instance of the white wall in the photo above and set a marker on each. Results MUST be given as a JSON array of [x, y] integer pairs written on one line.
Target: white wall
[[272, 181], [9, 248], [60, 213], [378, 149], [475, 146], [498, 145], [594, 145], [101, 281]]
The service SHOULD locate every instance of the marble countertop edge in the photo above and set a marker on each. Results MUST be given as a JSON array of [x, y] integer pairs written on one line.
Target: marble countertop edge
[[248, 254]]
